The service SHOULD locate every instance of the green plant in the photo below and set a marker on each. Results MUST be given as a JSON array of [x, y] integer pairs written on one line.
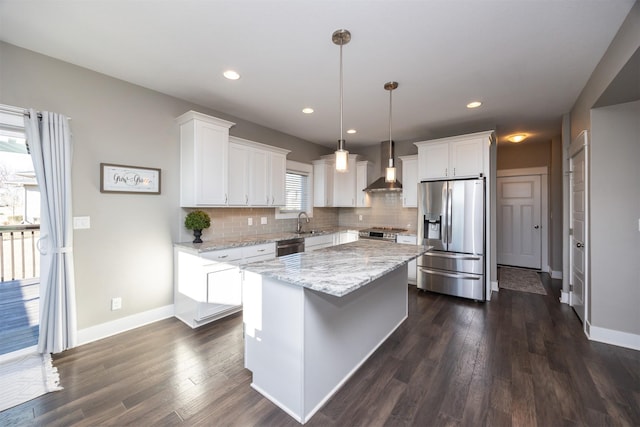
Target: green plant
[[197, 220]]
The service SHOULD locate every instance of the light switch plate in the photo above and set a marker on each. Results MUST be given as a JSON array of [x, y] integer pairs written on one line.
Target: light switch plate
[[263, 220], [249, 221], [81, 222]]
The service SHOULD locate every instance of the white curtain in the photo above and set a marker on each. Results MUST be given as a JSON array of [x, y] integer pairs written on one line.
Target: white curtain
[[49, 141]]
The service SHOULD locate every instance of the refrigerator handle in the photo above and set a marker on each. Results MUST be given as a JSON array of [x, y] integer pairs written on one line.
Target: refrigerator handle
[[449, 213]]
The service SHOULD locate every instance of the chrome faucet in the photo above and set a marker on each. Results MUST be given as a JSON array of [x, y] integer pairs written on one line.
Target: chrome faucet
[[299, 227]]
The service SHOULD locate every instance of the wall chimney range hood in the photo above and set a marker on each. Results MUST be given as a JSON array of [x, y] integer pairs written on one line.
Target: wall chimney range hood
[[381, 183]]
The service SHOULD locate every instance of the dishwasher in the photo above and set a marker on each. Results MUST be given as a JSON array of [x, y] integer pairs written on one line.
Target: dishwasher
[[289, 246]]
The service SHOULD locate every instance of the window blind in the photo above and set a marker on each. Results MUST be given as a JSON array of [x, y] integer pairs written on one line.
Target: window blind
[[296, 192]]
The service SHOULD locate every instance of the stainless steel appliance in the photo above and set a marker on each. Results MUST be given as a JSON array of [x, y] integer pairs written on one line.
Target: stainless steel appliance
[[381, 233], [289, 246], [451, 219]]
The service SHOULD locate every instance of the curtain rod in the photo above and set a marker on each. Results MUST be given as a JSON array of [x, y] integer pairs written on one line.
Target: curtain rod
[[19, 111]]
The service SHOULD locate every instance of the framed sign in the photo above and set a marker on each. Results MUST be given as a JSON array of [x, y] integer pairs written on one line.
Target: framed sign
[[129, 179]]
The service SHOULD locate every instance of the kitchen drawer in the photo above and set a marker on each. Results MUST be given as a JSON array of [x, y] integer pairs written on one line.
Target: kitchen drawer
[[266, 251], [224, 255]]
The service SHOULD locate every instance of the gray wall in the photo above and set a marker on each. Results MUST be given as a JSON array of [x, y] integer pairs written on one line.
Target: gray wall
[[612, 305], [615, 216], [128, 250]]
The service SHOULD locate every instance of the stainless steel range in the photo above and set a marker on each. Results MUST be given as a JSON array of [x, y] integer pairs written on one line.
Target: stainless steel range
[[381, 233]]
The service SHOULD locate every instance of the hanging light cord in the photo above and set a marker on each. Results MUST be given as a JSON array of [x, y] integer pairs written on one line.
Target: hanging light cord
[[341, 101], [390, 143]]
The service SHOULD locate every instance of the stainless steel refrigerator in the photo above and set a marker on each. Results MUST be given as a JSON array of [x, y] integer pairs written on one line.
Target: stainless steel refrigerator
[[451, 219]]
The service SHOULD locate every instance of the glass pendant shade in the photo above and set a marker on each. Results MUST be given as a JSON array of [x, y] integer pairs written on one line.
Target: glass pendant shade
[[390, 172], [342, 160]]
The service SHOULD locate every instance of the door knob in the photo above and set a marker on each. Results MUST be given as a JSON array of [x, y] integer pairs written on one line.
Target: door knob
[[579, 245], [536, 226]]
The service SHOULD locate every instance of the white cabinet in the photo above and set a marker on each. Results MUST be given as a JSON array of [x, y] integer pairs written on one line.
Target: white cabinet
[[238, 175], [412, 267], [314, 243], [204, 147], [346, 236], [256, 174], [363, 177], [277, 178], [208, 285], [409, 181], [323, 171], [454, 157], [344, 185]]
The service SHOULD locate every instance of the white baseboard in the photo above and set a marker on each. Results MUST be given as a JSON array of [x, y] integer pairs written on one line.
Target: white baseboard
[[494, 286], [564, 297], [124, 324], [556, 274], [611, 336]]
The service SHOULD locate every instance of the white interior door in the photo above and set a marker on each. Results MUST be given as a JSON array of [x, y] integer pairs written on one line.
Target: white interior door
[[518, 217], [578, 225]]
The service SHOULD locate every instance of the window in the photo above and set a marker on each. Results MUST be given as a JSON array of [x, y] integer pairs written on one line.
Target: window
[[298, 191]]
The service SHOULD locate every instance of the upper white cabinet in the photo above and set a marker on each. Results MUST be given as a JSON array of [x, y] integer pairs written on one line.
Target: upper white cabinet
[[409, 181], [454, 157], [256, 173], [344, 185], [363, 177], [204, 144], [323, 171]]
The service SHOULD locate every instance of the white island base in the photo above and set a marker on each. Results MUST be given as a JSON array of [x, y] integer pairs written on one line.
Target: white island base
[[302, 345]]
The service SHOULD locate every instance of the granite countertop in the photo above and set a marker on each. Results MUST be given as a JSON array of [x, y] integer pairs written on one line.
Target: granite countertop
[[254, 239], [339, 270]]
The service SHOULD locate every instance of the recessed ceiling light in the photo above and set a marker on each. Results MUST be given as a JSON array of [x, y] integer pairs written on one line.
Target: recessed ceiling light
[[474, 104], [517, 138], [231, 75], [307, 110], [351, 131]]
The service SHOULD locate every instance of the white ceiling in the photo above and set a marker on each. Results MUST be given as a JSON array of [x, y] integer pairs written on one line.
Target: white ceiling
[[526, 60]]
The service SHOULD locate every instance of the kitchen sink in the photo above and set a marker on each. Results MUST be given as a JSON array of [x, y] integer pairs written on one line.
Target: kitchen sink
[[309, 232]]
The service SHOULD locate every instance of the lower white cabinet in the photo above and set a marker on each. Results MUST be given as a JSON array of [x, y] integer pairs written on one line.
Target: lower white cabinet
[[342, 237], [208, 285], [412, 267], [314, 243]]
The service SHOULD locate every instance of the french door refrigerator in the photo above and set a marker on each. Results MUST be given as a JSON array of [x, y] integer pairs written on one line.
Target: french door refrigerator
[[451, 219]]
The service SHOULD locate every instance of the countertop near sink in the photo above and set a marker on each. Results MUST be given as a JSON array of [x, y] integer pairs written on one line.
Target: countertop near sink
[[254, 239]]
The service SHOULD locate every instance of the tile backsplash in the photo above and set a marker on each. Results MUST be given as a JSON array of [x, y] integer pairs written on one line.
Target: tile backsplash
[[386, 210]]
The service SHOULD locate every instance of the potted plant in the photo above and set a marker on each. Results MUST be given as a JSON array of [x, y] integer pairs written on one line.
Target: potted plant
[[197, 221]]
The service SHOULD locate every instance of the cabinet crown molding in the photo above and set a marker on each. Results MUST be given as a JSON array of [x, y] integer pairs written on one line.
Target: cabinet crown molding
[[483, 134], [194, 115]]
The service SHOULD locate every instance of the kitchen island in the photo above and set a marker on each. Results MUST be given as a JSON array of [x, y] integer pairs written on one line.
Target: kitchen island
[[311, 319]]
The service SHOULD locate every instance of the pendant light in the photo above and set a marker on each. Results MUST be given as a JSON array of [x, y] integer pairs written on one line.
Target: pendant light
[[341, 37], [390, 172]]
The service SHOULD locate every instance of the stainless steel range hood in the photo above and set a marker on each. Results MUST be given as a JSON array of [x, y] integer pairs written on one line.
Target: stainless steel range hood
[[381, 184]]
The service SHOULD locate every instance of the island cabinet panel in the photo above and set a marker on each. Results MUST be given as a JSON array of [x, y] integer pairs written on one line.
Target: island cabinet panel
[[303, 345], [208, 285], [204, 144], [454, 157]]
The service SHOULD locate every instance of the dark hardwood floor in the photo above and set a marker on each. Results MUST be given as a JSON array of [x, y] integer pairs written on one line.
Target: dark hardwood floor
[[520, 360]]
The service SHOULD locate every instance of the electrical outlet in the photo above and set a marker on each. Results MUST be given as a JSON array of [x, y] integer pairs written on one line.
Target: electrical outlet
[[249, 221], [116, 303], [359, 217], [263, 220]]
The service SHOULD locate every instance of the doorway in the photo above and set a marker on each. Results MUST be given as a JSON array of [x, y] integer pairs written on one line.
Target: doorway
[[19, 234], [522, 218]]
